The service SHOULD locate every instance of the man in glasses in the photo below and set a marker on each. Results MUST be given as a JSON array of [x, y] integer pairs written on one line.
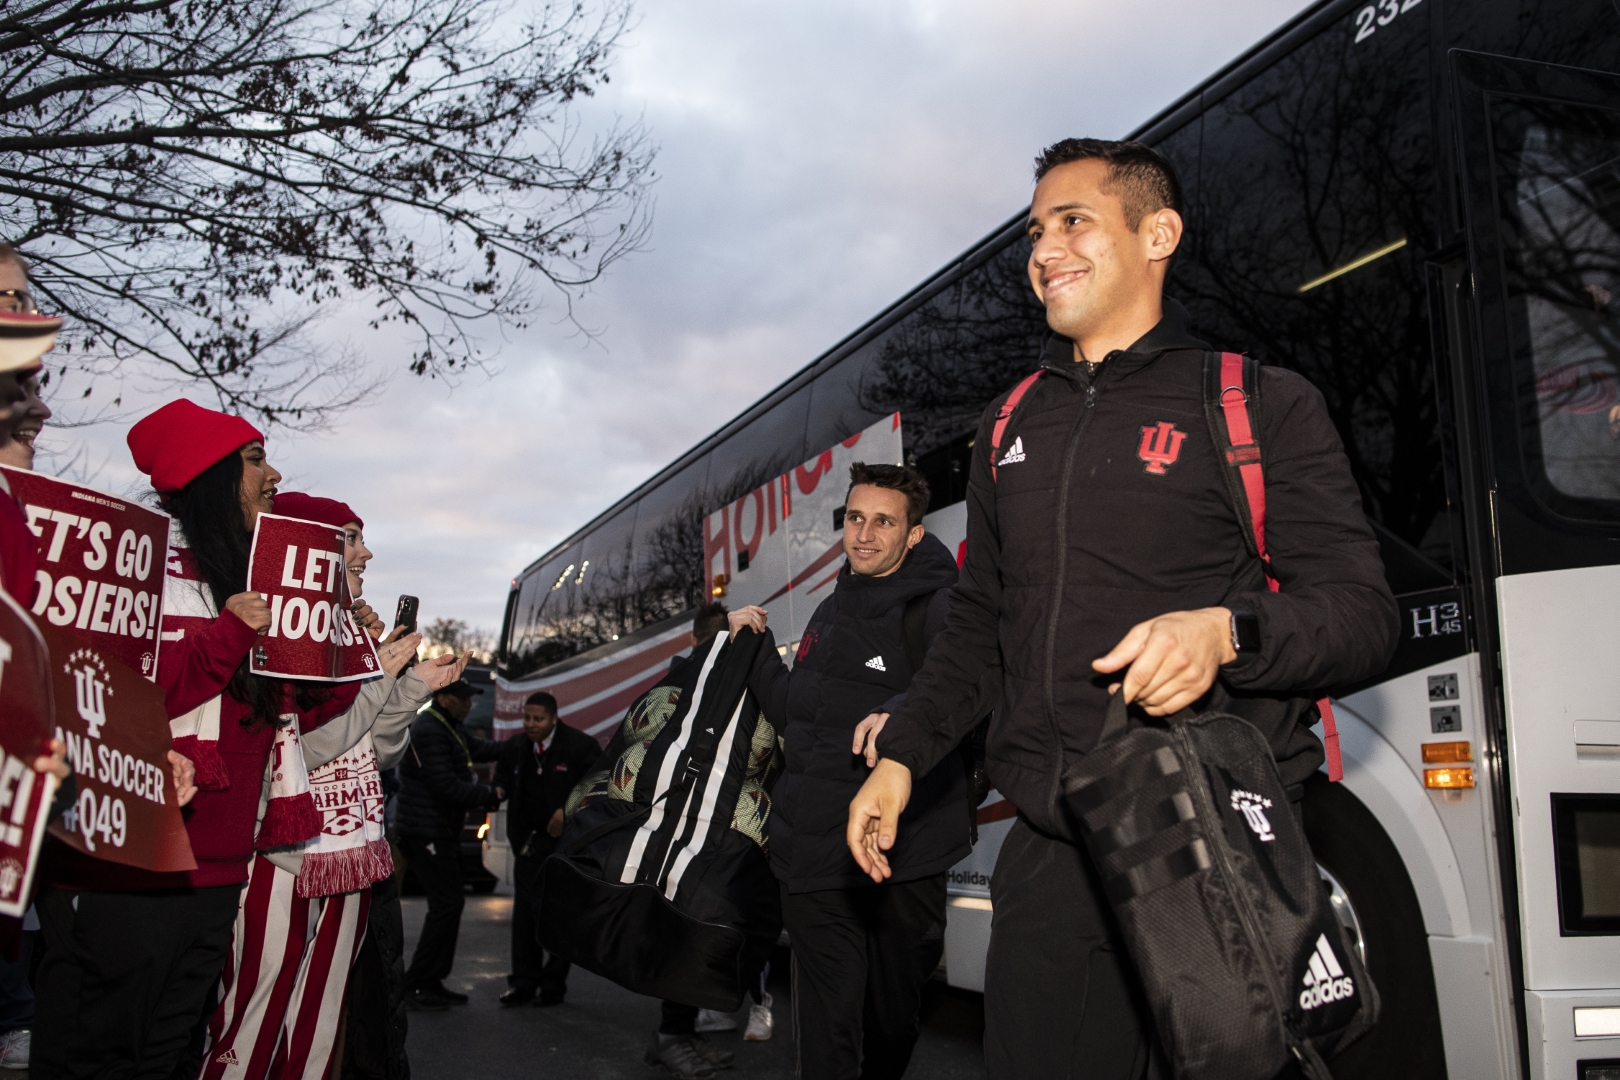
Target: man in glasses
[[27, 335]]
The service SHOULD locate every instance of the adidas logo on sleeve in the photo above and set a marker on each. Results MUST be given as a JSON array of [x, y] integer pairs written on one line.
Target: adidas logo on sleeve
[[1325, 980], [1015, 453], [876, 664]]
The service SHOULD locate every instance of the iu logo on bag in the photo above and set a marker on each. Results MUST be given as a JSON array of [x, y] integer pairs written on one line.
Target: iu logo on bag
[[1253, 808], [1161, 446]]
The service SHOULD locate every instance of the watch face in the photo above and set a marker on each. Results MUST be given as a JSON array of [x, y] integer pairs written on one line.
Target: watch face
[[1245, 632]]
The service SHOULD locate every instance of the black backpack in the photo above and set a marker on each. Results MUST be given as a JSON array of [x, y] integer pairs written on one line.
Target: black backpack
[[1218, 896], [661, 894]]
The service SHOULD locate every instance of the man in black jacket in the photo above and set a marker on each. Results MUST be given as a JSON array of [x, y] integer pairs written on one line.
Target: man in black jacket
[[437, 790], [537, 770], [861, 953], [1104, 550]]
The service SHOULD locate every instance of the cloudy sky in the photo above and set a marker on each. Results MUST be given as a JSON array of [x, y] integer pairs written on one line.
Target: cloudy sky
[[818, 159]]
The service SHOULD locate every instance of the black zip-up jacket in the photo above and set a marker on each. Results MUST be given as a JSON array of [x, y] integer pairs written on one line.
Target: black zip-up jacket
[[436, 779], [537, 785], [1090, 532], [852, 662]]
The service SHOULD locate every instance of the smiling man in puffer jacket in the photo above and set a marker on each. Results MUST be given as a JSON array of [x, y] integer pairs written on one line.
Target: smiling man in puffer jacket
[[861, 952]]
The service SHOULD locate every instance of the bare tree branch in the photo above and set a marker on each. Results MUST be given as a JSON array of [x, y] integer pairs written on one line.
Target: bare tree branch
[[194, 181]]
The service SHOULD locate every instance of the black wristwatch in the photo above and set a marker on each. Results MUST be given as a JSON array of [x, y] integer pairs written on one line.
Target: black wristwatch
[[1245, 632]]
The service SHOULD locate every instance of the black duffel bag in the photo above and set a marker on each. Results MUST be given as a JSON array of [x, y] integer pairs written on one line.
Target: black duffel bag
[[660, 893], [1219, 899]]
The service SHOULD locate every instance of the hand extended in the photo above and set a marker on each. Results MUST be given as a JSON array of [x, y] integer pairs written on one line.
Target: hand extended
[[397, 651], [185, 777], [874, 817], [750, 616], [554, 826], [251, 609], [1173, 659], [441, 671], [866, 733]]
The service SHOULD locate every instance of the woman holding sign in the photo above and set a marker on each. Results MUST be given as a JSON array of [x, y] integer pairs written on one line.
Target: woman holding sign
[[131, 955], [303, 914]]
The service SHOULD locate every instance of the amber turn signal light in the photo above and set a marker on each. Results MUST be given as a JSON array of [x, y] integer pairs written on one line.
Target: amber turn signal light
[[1448, 779], [1443, 753]]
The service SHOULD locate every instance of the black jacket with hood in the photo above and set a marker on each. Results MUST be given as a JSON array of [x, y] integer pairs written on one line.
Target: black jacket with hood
[[437, 787], [852, 661], [1084, 532]]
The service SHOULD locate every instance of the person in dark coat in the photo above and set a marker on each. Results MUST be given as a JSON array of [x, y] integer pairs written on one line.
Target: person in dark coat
[[1105, 554], [536, 772], [860, 953], [437, 789]]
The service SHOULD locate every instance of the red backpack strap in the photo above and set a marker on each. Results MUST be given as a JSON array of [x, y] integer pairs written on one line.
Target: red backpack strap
[[1233, 389], [1004, 417]]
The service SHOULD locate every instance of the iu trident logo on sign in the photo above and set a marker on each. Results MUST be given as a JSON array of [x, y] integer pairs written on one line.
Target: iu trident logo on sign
[[1161, 445]]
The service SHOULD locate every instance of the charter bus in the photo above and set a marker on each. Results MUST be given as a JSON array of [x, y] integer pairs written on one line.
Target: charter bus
[[1416, 205]]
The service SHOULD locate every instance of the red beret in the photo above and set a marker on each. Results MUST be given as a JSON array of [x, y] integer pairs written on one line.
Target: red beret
[[176, 443], [296, 504]]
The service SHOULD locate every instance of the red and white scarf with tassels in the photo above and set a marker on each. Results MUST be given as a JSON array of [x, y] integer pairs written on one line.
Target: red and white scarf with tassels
[[351, 853], [290, 816], [188, 608]]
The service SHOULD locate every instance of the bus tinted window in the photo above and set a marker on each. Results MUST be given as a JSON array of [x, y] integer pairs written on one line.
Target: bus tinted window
[[1559, 193], [954, 353], [1315, 196]]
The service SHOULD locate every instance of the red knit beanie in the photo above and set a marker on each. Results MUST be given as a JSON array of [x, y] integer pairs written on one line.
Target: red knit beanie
[[296, 504], [175, 444]]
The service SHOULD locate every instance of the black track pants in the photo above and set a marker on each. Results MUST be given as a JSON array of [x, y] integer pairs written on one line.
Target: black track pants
[[860, 958], [125, 978], [1060, 995], [437, 865]]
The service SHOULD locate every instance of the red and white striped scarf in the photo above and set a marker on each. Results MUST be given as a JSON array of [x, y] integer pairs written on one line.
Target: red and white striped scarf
[[189, 608], [351, 852]]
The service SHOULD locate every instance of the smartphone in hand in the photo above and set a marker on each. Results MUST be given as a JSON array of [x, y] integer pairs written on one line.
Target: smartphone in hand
[[405, 614]]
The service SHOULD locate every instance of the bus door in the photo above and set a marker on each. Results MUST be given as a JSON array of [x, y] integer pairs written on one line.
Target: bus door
[[1539, 157]]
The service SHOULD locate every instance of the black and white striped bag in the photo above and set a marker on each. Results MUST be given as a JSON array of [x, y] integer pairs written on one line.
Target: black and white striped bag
[[659, 893]]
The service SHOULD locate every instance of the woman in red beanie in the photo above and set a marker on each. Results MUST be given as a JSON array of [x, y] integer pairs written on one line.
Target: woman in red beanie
[[131, 955], [303, 915]]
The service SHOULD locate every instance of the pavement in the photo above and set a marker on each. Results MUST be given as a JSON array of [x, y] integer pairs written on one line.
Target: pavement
[[601, 1031]]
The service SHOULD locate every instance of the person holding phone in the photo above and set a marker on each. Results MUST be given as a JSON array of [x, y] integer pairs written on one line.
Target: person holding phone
[[302, 917]]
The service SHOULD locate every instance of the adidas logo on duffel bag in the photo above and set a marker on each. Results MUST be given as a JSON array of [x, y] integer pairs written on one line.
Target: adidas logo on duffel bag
[[1325, 980]]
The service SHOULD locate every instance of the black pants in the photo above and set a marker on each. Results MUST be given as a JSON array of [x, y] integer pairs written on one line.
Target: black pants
[[437, 866], [375, 1017], [1060, 996], [860, 958], [124, 978], [532, 969]]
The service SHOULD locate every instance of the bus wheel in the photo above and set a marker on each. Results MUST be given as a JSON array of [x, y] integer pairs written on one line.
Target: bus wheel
[[1375, 901]]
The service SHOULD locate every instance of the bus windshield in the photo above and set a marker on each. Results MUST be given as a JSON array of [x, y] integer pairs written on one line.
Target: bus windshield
[[1559, 184]]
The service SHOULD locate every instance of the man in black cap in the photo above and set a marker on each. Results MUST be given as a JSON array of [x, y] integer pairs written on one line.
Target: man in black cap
[[437, 790], [540, 767]]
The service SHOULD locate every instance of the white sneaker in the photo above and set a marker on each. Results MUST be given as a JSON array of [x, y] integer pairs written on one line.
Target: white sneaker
[[14, 1049], [709, 1020], [759, 1022]]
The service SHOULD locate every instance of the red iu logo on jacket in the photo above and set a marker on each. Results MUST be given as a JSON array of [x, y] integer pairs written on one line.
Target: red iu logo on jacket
[[1161, 445]]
